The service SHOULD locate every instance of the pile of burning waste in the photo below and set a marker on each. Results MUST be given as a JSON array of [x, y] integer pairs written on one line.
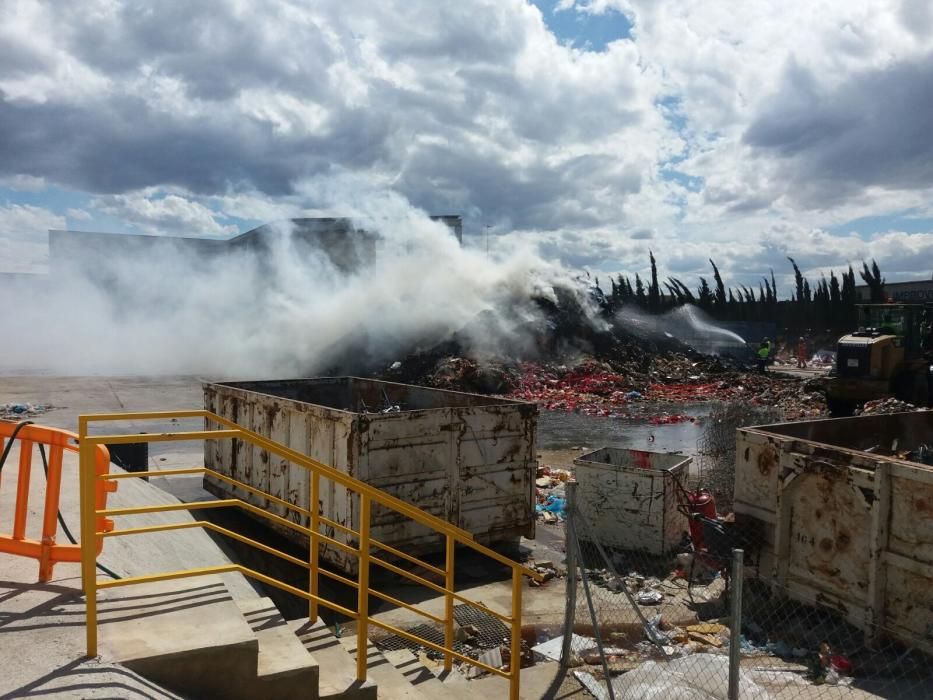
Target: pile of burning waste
[[568, 362], [618, 389]]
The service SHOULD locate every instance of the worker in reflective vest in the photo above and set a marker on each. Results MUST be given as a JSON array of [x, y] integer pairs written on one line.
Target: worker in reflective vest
[[764, 354]]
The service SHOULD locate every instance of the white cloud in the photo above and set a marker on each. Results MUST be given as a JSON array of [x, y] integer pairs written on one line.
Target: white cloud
[[174, 114], [24, 183], [78, 215], [155, 213]]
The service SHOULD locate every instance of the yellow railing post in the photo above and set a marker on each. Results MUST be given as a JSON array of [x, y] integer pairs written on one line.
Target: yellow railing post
[[86, 474], [515, 665], [362, 607], [315, 524], [449, 604]]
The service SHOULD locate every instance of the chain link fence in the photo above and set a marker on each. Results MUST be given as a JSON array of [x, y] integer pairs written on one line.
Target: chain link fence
[[715, 458], [708, 620]]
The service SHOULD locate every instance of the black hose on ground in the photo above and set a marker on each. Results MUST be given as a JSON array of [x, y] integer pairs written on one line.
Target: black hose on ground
[[45, 466]]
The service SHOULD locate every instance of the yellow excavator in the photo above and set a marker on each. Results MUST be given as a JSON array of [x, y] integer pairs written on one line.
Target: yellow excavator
[[882, 359]]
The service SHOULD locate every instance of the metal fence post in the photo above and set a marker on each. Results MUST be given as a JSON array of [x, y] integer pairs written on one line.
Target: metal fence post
[[735, 635], [570, 490], [597, 635]]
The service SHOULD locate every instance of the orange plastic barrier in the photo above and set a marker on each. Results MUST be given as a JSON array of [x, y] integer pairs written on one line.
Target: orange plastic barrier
[[46, 550]]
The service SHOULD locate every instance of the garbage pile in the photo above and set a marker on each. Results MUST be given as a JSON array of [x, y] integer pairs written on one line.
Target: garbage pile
[[551, 503], [822, 665], [548, 569], [589, 366], [22, 411], [645, 590], [599, 389], [880, 407]]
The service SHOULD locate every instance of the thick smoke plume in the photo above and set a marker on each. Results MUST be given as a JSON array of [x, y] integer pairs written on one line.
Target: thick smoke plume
[[276, 312]]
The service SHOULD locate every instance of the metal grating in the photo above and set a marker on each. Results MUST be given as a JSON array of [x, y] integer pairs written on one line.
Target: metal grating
[[492, 633]]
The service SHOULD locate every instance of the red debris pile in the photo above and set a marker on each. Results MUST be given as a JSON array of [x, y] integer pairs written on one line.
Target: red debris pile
[[599, 389], [589, 388]]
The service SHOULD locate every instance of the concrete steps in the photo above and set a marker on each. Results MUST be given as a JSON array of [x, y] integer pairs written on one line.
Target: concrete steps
[[173, 631], [284, 668], [192, 638], [452, 686], [337, 679], [392, 683]]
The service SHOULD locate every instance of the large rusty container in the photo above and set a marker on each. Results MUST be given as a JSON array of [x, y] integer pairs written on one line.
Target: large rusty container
[[631, 499], [845, 509], [466, 458]]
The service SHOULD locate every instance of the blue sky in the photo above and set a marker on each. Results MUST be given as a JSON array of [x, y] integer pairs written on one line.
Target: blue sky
[[583, 30], [740, 131]]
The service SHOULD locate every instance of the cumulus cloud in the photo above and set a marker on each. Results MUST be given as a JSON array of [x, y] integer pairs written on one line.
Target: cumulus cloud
[[871, 130], [728, 129], [168, 214], [457, 106]]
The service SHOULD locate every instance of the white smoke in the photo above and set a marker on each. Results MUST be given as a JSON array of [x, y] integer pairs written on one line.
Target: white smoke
[[282, 313]]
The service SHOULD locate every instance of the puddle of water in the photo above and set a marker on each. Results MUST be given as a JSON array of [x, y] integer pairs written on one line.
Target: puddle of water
[[559, 430]]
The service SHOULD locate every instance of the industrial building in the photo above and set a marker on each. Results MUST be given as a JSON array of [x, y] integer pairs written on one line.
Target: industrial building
[[345, 244], [916, 292]]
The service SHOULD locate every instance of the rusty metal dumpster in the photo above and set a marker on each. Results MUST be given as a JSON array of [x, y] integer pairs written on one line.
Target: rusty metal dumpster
[[630, 498], [845, 510], [467, 458]]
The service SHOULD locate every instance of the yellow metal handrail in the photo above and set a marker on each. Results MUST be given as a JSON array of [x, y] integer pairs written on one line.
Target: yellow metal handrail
[[91, 537]]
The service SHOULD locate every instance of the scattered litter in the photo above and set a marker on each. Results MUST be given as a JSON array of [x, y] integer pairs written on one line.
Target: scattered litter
[[551, 649], [649, 597], [20, 411], [551, 503], [885, 406], [490, 657], [694, 677]]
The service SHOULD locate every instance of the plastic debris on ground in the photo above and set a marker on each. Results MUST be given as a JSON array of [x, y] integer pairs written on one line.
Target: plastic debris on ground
[[551, 504], [552, 648], [695, 677], [21, 411]]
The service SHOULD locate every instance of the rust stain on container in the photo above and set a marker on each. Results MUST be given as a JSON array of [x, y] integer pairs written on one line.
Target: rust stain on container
[[467, 458], [844, 527], [767, 461]]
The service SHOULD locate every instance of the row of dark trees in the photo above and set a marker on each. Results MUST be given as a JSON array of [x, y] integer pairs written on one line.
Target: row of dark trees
[[825, 304]]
